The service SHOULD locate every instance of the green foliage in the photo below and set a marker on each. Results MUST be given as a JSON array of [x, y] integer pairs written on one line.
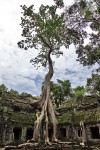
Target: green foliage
[[90, 54], [83, 4], [14, 92], [59, 3], [47, 29], [79, 91], [86, 116], [22, 117], [3, 88], [79, 16], [60, 91], [24, 94], [43, 30], [65, 118], [88, 13], [93, 84]]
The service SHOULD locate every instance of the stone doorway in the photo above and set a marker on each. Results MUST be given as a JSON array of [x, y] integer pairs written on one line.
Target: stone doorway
[[79, 133], [95, 132], [29, 134], [17, 133], [63, 132]]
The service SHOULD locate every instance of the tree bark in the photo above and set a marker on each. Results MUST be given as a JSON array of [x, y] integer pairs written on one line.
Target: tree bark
[[83, 130], [47, 112]]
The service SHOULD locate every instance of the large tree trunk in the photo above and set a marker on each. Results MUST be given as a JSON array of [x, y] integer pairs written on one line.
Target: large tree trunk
[[47, 112]]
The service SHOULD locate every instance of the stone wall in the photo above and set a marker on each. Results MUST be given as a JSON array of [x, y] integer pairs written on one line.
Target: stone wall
[[17, 120]]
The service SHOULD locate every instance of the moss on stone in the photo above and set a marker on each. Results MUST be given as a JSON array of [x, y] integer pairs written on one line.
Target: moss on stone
[[87, 117], [65, 118], [22, 118], [81, 102], [85, 109]]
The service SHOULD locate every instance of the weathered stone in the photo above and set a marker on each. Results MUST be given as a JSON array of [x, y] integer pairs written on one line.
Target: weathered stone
[[17, 119]]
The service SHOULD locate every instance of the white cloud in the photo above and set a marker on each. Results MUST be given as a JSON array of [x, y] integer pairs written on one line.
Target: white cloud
[[16, 72]]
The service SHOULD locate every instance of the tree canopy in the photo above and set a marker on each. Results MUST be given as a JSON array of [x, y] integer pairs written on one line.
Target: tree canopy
[[48, 29], [93, 84], [14, 92], [3, 88], [79, 91], [84, 15], [41, 31], [60, 91]]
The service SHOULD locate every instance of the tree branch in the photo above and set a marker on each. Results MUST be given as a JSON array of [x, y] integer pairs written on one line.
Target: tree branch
[[44, 40]]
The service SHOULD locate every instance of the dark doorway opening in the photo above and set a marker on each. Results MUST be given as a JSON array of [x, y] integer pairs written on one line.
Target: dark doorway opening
[[95, 132], [63, 132], [17, 133], [29, 134], [79, 133], [16, 109]]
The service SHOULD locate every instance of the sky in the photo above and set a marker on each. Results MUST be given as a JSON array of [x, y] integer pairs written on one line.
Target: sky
[[16, 71]]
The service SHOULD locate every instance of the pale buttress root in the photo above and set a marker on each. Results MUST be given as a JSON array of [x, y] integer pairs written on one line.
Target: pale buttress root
[[47, 112], [84, 137]]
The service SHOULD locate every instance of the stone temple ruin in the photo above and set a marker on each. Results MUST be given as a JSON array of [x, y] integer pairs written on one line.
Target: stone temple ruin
[[17, 119]]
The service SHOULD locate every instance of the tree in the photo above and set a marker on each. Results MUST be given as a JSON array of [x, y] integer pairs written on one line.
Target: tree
[[60, 91], [90, 54], [81, 15], [14, 92], [84, 15], [46, 31], [93, 84], [24, 94], [3, 88], [79, 91]]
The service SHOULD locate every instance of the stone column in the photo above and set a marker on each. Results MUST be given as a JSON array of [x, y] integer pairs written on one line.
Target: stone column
[[75, 132], [3, 135], [11, 135], [68, 136], [88, 132], [66, 133], [23, 135]]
